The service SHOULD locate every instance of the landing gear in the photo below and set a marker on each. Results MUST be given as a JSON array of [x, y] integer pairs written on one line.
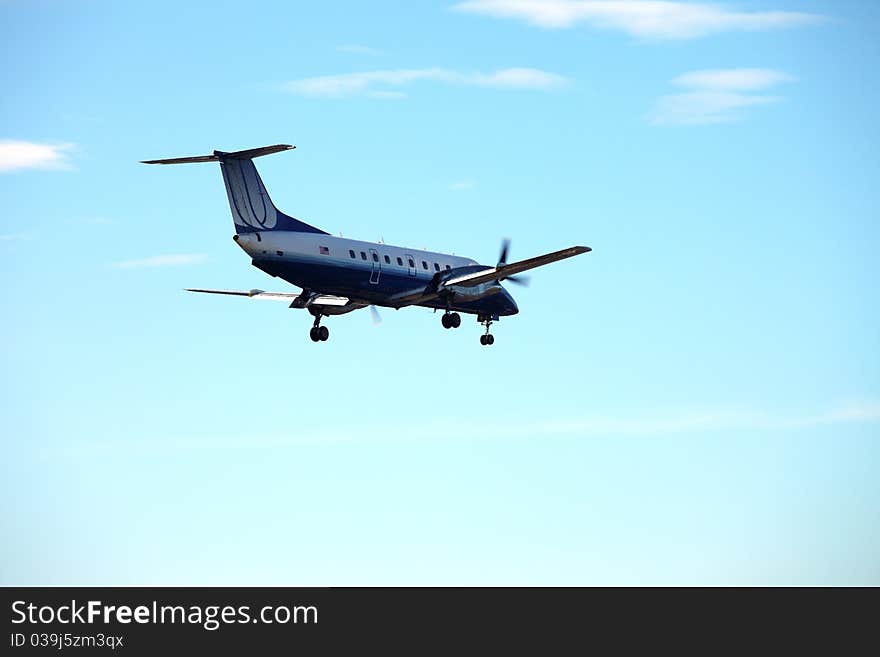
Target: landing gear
[[486, 339], [319, 333], [450, 320]]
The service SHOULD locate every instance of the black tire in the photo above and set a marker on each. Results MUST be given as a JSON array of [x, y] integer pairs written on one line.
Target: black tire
[[323, 333], [445, 321], [313, 334], [490, 339], [483, 340], [455, 320]]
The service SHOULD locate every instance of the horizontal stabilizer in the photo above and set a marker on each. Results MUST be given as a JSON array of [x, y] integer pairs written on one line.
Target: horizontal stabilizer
[[255, 152], [183, 160], [216, 156]]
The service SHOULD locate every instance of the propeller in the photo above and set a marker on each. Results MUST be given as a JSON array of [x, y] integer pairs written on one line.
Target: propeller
[[502, 260], [519, 280], [505, 245], [377, 319]]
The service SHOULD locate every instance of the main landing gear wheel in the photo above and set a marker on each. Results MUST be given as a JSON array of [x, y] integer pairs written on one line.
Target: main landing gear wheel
[[450, 320], [319, 333]]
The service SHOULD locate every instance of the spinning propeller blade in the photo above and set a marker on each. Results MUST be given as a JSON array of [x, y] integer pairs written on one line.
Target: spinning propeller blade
[[377, 319]]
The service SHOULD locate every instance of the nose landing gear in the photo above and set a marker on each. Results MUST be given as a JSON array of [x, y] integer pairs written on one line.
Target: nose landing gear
[[319, 333], [486, 339]]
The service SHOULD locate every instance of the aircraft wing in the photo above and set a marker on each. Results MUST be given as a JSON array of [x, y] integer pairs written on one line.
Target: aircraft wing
[[432, 291], [317, 299], [503, 271]]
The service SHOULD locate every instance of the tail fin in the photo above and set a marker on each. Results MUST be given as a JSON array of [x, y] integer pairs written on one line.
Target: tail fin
[[252, 209]]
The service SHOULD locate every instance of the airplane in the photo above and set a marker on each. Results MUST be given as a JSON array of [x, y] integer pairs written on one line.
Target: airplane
[[337, 275]]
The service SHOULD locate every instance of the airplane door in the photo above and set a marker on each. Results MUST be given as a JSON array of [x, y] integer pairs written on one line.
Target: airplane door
[[410, 264], [377, 267]]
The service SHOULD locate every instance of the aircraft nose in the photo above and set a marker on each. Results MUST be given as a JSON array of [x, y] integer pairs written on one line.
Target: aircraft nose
[[510, 307]]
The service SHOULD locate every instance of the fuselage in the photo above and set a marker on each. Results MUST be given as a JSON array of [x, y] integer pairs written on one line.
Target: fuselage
[[369, 272]]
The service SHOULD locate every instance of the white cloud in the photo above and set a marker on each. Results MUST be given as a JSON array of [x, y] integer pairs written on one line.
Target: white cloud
[[716, 96], [634, 423], [90, 221], [18, 155], [735, 79], [462, 185], [170, 260], [387, 95], [355, 49], [352, 84], [713, 420], [15, 237], [652, 19], [868, 411]]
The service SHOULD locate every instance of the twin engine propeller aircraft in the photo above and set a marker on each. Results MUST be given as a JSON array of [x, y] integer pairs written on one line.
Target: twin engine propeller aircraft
[[338, 275]]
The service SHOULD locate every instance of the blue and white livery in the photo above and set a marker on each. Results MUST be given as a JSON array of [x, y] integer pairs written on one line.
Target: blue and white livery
[[337, 275]]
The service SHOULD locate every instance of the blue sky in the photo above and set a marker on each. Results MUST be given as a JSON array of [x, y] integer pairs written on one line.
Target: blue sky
[[697, 401]]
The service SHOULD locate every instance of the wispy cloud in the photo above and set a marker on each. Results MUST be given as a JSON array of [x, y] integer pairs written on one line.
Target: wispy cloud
[[650, 19], [733, 79], [15, 237], [716, 96], [383, 83], [355, 49], [90, 221], [710, 421], [635, 424], [18, 155], [462, 185], [171, 260]]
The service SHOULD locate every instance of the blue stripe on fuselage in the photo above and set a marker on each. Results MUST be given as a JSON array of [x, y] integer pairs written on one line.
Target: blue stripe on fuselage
[[351, 279]]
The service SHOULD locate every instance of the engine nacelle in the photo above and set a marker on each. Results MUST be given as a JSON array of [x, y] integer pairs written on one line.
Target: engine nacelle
[[476, 292], [321, 309]]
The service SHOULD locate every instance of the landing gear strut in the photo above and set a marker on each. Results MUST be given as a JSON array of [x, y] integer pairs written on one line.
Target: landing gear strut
[[450, 320], [319, 333], [486, 339]]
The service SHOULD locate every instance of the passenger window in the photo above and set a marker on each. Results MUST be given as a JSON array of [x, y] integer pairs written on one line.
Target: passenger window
[[351, 252], [387, 260], [448, 267], [363, 256], [436, 267], [399, 261], [424, 265], [281, 253], [411, 263], [375, 257]]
